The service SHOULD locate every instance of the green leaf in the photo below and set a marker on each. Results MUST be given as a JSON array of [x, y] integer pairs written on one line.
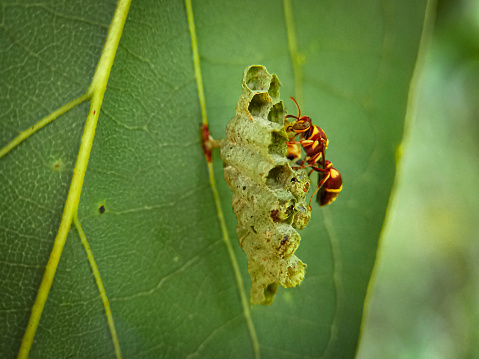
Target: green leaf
[[146, 206]]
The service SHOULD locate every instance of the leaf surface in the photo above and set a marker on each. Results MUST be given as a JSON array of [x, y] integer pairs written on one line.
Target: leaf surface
[[158, 245]]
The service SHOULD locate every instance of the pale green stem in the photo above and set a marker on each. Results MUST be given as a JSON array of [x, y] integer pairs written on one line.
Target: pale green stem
[[95, 92], [101, 288], [296, 58], [196, 61], [224, 229], [44, 121]]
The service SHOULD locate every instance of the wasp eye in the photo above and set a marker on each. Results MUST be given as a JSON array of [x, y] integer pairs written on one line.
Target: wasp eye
[[301, 126]]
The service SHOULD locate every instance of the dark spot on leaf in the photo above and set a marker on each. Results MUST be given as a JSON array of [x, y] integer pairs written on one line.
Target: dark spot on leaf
[[252, 228], [244, 187], [57, 165], [101, 209]]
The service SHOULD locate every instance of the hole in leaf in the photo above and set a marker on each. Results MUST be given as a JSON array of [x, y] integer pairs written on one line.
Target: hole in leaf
[[57, 165]]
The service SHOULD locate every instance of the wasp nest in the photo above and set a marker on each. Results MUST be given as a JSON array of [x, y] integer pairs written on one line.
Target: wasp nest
[[268, 195]]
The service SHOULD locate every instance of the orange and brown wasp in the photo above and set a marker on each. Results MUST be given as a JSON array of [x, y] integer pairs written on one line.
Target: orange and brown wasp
[[314, 142]]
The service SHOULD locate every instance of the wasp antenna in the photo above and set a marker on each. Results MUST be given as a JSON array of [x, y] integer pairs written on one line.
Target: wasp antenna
[[291, 116], [299, 110]]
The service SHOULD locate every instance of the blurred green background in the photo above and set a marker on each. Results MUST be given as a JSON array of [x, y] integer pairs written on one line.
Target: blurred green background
[[424, 296]]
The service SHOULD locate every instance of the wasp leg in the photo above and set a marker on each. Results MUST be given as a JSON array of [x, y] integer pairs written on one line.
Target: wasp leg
[[320, 184], [308, 165]]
